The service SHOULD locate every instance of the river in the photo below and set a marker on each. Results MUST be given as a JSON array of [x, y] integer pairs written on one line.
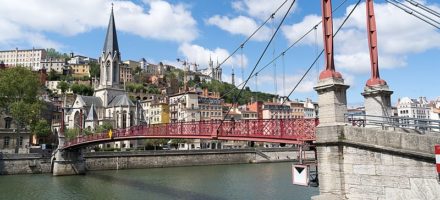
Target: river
[[245, 181]]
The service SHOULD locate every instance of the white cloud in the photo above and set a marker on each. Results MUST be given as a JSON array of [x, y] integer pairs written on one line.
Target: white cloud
[[290, 81], [399, 34], [262, 9], [29, 20], [240, 25], [200, 55]]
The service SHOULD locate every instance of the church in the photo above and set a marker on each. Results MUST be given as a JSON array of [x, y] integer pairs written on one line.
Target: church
[[109, 103]]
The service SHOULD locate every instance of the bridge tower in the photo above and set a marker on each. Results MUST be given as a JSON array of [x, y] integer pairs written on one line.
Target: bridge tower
[[376, 93], [332, 97], [67, 162]]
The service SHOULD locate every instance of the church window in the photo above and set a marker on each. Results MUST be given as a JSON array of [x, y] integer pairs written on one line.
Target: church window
[[108, 70], [124, 119]]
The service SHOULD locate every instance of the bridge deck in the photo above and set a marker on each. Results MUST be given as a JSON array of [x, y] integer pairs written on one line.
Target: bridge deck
[[276, 131]]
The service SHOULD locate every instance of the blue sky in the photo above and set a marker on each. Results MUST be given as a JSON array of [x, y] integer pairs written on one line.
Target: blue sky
[[161, 31]]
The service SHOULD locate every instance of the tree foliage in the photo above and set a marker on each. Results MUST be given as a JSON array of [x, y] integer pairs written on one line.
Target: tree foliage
[[106, 126], [81, 89], [53, 53], [42, 128], [63, 86], [19, 88], [95, 70], [229, 92]]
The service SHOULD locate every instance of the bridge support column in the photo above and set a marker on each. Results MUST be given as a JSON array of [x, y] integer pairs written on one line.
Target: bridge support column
[[332, 100], [377, 102], [68, 162]]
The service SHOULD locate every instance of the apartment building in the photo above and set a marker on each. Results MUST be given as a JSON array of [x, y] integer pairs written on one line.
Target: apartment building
[[30, 58]]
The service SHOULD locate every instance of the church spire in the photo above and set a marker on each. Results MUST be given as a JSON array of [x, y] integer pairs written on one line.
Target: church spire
[[111, 39]]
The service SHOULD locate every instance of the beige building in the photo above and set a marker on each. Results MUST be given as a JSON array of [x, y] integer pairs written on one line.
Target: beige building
[[195, 106], [132, 64], [276, 111], [297, 109], [56, 65], [125, 73], [156, 109], [80, 70], [9, 137], [30, 58]]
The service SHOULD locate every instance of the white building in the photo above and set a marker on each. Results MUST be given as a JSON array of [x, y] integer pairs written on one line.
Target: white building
[[30, 58], [53, 86], [434, 109], [413, 108], [214, 72], [310, 109], [79, 60]]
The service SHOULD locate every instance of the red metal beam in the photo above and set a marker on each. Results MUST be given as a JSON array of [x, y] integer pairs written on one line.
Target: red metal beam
[[372, 44], [327, 29]]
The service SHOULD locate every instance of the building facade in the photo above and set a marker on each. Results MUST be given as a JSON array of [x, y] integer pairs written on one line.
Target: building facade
[[276, 111], [156, 109], [10, 140], [80, 70], [29, 58], [413, 108], [54, 64]]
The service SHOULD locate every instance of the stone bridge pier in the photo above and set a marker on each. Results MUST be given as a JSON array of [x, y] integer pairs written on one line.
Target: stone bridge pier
[[67, 161], [370, 162]]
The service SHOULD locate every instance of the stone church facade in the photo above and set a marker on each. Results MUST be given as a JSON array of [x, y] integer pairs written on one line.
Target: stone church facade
[[110, 103]]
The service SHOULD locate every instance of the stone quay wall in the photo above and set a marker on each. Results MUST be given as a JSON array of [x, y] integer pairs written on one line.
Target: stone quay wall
[[35, 163], [151, 159], [24, 164]]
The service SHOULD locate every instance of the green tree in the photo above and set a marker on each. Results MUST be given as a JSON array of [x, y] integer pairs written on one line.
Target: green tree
[[71, 133], [53, 53], [19, 88], [104, 127], [63, 86], [95, 71], [81, 89], [53, 76], [42, 128]]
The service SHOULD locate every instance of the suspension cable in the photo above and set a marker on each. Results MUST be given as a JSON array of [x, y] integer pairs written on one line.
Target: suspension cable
[[423, 7], [248, 38], [261, 56], [273, 56], [414, 13], [322, 51], [283, 53]]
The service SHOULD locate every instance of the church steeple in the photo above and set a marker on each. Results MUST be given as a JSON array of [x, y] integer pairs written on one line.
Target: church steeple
[[111, 39], [110, 57]]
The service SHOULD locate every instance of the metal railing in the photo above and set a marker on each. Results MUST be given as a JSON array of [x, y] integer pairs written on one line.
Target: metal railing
[[422, 125]]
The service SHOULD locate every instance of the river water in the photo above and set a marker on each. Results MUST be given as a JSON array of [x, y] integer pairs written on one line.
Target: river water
[[269, 181]]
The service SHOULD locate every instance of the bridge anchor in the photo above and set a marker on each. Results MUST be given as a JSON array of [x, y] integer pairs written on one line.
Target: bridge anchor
[[68, 162]]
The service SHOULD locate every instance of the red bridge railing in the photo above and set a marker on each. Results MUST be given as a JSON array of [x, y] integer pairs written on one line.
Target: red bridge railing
[[273, 130]]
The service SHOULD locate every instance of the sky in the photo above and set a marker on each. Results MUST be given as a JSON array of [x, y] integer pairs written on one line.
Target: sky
[[197, 30]]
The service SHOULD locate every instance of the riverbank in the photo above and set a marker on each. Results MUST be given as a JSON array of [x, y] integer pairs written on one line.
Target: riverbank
[[35, 163]]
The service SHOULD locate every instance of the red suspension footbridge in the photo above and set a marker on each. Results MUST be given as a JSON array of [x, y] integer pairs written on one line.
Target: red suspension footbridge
[[291, 131]]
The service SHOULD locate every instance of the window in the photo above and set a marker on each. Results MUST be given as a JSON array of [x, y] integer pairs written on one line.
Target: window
[[20, 141], [8, 121], [6, 141]]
